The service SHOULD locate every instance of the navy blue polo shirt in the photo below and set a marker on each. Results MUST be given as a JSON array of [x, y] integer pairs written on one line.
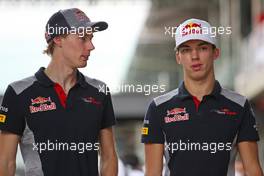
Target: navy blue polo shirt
[[199, 137], [59, 132]]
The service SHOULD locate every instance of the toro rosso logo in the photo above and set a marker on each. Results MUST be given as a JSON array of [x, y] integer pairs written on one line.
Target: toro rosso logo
[[191, 28], [176, 114], [225, 111], [91, 100], [41, 104]]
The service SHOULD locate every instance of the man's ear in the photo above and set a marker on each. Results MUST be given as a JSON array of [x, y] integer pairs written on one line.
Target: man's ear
[[177, 57], [57, 40], [216, 53]]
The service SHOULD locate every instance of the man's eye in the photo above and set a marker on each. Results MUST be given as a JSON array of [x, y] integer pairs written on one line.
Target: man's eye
[[186, 50], [203, 48], [86, 38]]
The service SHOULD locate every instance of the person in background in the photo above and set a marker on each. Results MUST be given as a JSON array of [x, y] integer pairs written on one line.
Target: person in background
[[134, 167]]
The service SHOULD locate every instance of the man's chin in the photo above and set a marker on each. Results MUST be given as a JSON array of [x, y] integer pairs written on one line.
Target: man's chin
[[198, 76], [82, 65]]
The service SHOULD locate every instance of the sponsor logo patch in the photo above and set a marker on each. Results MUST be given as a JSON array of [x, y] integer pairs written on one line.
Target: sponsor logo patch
[[41, 104], [192, 28], [175, 111], [146, 122], [91, 100], [4, 109], [2, 118], [176, 114], [225, 111], [144, 131], [80, 16]]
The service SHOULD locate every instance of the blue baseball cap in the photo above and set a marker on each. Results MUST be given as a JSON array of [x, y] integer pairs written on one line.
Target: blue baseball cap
[[71, 21]]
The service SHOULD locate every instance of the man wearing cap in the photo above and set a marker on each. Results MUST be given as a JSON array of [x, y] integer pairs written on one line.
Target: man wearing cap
[[61, 118], [199, 126]]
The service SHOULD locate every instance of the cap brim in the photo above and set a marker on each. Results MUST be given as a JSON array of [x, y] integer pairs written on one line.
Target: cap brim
[[99, 26]]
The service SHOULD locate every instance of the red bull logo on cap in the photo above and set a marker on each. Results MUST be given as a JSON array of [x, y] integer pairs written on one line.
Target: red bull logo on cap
[[191, 28], [80, 15]]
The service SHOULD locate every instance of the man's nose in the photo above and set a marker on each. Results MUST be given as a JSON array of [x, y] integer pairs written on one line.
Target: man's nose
[[89, 45], [194, 54]]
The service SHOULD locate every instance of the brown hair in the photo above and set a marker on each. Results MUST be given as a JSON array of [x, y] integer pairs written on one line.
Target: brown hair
[[51, 45], [50, 48]]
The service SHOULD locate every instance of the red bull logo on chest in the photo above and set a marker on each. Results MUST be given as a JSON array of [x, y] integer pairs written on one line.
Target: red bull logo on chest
[[176, 114], [40, 104]]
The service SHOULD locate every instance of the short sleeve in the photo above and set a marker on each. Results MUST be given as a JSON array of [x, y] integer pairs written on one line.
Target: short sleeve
[[151, 131], [108, 118], [11, 115], [248, 130]]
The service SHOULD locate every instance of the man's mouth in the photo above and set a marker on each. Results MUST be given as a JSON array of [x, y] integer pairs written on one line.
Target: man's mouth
[[197, 67], [85, 56]]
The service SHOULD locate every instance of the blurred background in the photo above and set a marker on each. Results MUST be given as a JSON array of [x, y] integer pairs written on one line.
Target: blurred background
[[138, 50]]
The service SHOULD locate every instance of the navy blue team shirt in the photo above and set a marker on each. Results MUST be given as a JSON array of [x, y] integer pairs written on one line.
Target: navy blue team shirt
[[39, 111], [200, 137]]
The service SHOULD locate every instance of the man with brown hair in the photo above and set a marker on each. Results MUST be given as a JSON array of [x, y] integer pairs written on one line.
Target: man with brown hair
[[59, 116]]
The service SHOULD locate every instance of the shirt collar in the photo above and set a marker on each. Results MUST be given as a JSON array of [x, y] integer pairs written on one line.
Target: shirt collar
[[46, 81], [184, 94]]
